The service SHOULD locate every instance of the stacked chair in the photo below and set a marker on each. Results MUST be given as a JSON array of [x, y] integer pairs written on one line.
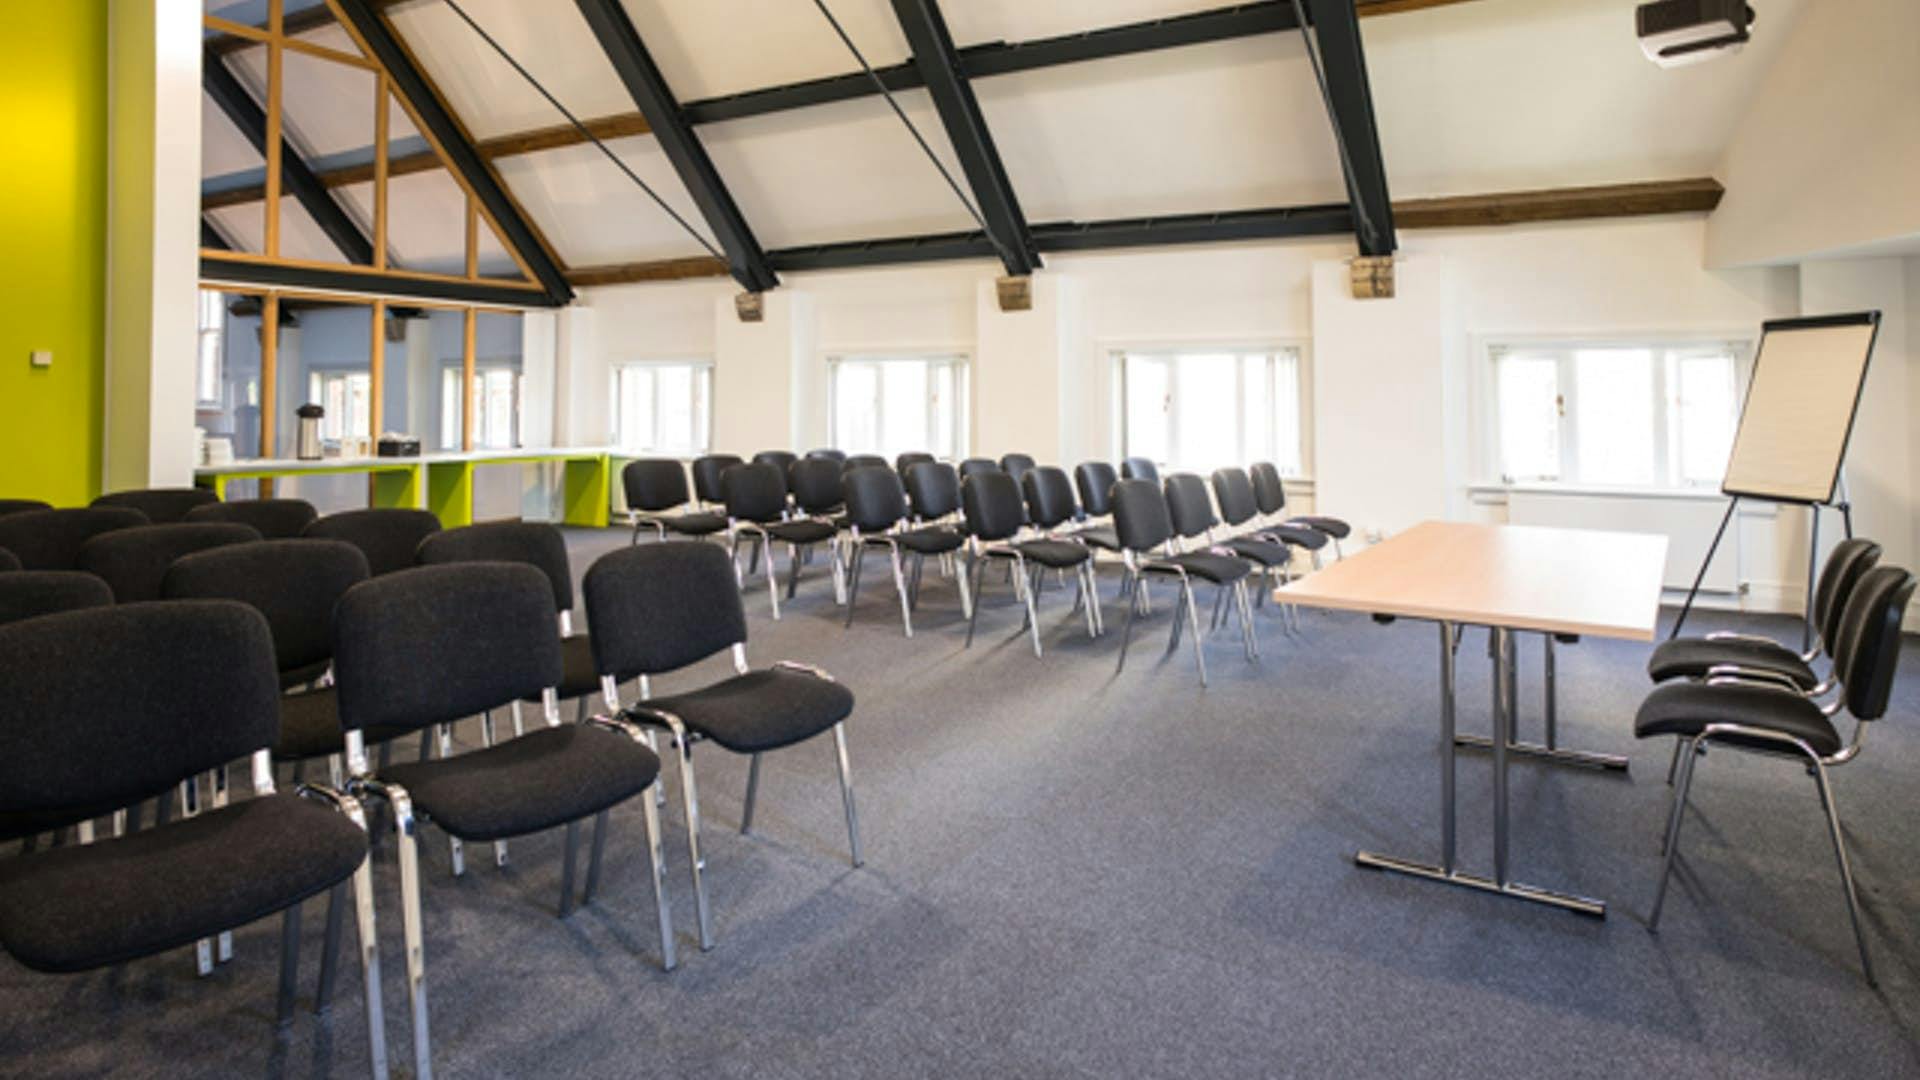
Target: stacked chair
[[162, 506], [1146, 532], [996, 517], [657, 496], [389, 538], [52, 539], [707, 470], [273, 519], [1094, 480], [1270, 495], [134, 561], [756, 497], [877, 513]]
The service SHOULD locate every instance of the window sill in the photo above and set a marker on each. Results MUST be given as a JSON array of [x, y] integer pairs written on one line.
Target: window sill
[[1598, 491]]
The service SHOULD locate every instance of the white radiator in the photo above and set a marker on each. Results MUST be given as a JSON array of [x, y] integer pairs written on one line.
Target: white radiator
[[1688, 523]]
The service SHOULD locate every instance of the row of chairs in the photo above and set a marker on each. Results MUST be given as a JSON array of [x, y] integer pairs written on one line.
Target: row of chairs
[[284, 651], [1024, 514]]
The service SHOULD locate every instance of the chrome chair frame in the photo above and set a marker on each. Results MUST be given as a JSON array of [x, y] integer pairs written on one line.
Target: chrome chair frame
[[1137, 571], [909, 596]]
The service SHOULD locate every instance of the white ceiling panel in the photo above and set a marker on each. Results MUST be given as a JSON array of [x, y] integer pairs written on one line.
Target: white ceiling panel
[[593, 214], [549, 39], [847, 171], [974, 21], [1228, 126], [718, 47], [223, 149]]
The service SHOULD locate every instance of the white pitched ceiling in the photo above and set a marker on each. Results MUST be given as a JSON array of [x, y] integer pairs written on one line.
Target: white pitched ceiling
[[716, 48]]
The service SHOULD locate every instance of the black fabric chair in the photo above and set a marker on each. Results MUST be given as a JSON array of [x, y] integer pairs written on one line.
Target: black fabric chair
[[429, 646], [780, 459], [757, 509], [1094, 481], [876, 517], [1759, 657], [1766, 717], [659, 608], [388, 537], [933, 492], [814, 484], [51, 539], [839, 456], [1139, 468], [1191, 512], [974, 466], [134, 561], [867, 461], [903, 463], [543, 547], [995, 518], [162, 506], [1270, 494], [21, 506], [167, 692], [1145, 526], [29, 594], [1016, 465], [1233, 492], [274, 519], [706, 479], [8, 561], [655, 488]]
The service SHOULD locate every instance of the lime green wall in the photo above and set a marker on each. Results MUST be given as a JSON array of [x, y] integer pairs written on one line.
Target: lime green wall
[[53, 211]]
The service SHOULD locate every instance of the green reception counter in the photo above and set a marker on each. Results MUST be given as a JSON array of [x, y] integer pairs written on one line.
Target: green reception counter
[[442, 482]]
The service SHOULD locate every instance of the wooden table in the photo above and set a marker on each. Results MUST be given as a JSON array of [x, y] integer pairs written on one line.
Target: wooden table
[[1510, 579]]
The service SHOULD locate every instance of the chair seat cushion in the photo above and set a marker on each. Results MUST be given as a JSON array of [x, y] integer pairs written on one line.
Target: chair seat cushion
[[933, 540], [761, 710], [1333, 527], [1205, 565], [547, 777], [310, 727], [1100, 536], [1297, 535], [1686, 708], [698, 523], [1054, 553], [1689, 658], [804, 531], [1264, 552], [79, 907]]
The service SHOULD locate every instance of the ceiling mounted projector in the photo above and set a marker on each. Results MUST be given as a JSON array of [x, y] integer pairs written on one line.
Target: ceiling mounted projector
[[1678, 32]]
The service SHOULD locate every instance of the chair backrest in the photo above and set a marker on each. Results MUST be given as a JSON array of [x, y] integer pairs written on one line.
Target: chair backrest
[[974, 466], [134, 561], [902, 463], [1049, 496], [815, 484], [706, 475], [8, 561], [992, 503], [654, 484], [437, 644], [51, 539], [163, 506], [21, 506], [660, 607], [274, 519], [294, 584], [867, 461], [165, 691], [1095, 479], [31, 593], [780, 459], [1269, 493], [827, 454], [1140, 517], [1846, 563], [756, 492], [1869, 647], [1233, 490], [536, 543], [933, 487], [1016, 465], [1139, 468], [1188, 505], [389, 537], [875, 500]]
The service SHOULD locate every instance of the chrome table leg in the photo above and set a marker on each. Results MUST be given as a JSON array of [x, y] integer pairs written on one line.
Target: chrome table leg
[[1551, 751]]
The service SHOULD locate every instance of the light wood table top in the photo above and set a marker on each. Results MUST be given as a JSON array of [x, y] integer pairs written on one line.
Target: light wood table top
[[1566, 581]]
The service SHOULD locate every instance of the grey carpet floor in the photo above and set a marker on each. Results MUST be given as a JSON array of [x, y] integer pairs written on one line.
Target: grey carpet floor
[[1075, 874]]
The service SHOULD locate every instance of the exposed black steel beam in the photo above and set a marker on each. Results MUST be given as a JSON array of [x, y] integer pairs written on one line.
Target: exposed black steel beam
[[648, 88], [372, 29], [934, 56], [1343, 62], [1005, 58], [1332, 219], [365, 280], [296, 177], [211, 239]]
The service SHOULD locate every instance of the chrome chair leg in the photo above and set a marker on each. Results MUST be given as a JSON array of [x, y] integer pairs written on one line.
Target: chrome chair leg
[[1846, 872], [190, 808], [289, 965], [753, 790], [569, 847], [1034, 585], [1673, 835], [1179, 605], [1219, 601], [853, 583], [975, 566], [1199, 646], [846, 792], [793, 569], [596, 854], [369, 943], [330, 947], [1126, 632], [1244, 608], [657, 867], [690, 802], [839, 571], [773, 579], [960, 582], [900, 587]]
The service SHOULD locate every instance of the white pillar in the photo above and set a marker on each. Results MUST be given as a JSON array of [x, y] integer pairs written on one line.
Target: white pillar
[[754, 372], [1032, 374]]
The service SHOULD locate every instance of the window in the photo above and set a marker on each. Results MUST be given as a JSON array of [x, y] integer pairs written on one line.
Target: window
[[1622, 415], [347, 397], [496, 407], [663, 407], [1201, 409], [213, 319], [891, 405]]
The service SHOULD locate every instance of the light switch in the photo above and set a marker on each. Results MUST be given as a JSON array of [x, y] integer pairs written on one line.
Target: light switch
[[43, 358]]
